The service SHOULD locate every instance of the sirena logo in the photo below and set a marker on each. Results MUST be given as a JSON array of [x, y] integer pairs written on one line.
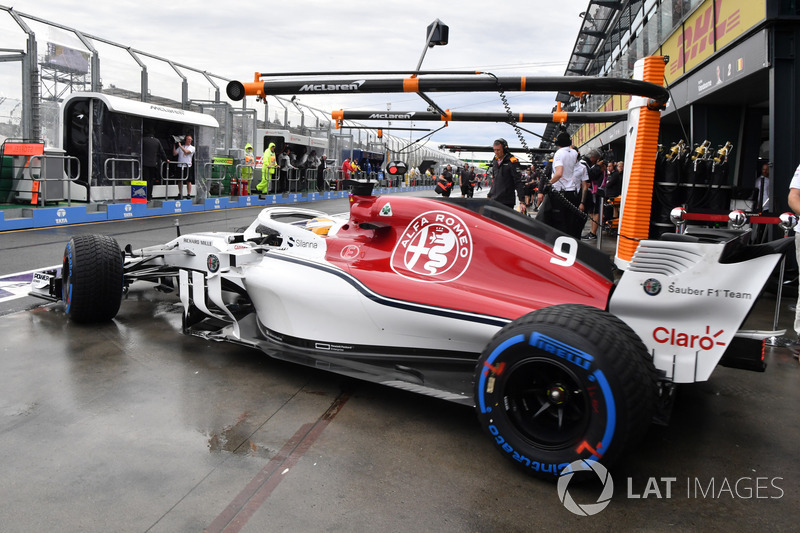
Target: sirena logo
[[350, 251], [436, 247], [330, 87]]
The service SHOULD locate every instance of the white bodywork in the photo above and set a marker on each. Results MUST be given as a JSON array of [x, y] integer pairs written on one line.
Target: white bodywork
[[296, 292], [685, 305]]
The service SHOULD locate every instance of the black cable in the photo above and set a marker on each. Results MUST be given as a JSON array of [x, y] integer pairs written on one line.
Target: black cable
[[513, 122], [511, 119], [420, 147], [680, 122]]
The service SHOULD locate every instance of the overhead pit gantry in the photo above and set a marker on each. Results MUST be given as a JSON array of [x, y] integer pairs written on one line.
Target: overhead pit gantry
[[649, 98]]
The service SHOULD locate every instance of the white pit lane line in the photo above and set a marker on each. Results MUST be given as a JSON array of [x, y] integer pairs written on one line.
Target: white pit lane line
[[17, 285]]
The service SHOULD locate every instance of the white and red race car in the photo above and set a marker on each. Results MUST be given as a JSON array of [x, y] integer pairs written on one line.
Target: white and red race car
[[463, 299]]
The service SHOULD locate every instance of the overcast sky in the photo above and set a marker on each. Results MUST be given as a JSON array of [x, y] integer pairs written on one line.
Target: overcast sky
[[506, 37]]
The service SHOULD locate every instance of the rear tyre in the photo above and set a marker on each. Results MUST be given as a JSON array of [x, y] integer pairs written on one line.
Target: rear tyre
[[92, 278], [562, 384]]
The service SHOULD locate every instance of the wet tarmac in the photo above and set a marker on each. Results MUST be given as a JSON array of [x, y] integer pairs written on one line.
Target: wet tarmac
[[131, 426]]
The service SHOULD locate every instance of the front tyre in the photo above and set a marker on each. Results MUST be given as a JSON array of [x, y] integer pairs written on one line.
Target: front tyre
[[565, 383], [92, 278]]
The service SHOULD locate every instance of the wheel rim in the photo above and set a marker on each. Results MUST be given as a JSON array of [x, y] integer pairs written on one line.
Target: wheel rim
[[546, 403]]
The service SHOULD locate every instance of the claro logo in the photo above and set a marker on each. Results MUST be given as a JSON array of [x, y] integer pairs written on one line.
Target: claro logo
[[683, 339], [325, 87]]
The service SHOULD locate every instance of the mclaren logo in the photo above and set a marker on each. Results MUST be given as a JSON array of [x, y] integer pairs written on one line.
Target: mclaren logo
[[391, 116], [324, 87]]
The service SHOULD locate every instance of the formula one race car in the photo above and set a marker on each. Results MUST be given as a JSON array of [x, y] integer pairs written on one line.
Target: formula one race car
[[462, 299]]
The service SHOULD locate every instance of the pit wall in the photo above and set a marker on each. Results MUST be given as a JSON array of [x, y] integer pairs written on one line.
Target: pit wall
[[45, 217]]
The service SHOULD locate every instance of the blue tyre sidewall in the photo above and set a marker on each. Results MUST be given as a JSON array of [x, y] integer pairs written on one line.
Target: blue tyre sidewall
[[515, 351]]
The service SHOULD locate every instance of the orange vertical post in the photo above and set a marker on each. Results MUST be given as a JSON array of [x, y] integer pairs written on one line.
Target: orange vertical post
[[635, 222]]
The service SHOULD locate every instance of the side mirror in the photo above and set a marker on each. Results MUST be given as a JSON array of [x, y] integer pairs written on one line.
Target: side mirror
[[396, 167]]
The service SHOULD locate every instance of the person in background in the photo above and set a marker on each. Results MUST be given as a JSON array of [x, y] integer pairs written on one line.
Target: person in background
[[563, 181], [249, 164], [313, 160], [507, 179], [445, 181], [303, 161], [613, 187], [530, 186], [346, 169], [762, 232], [268, 166], [479, 179], [152, 155], [355, 170], [590, 198], [185, 153], [466, 179], [285, 164], [794, 205], [321, 166], [762, 189]]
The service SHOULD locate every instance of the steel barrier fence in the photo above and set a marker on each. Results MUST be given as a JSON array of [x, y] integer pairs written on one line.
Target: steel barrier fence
[[136, 173]]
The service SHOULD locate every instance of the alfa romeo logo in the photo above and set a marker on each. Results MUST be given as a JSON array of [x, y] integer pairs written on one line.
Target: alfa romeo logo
[[213, 263], [435, 247], [652, 286], [586, 509]]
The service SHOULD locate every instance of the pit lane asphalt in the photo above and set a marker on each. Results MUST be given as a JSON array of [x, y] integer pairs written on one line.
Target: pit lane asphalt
[[131, 426]]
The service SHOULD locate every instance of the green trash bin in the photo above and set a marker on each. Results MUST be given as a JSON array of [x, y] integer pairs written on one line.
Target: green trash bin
[[222, 170]]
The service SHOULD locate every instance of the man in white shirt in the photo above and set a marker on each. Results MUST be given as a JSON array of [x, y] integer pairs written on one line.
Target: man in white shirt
[[794, 205], [568, 184], [185, 153]]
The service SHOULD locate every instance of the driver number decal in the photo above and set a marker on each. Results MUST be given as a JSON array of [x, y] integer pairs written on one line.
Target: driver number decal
[[566, 248], [435, 247]]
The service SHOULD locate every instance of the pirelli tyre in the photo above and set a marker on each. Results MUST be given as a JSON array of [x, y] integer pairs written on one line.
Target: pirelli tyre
[[92, 278], [565, 383]]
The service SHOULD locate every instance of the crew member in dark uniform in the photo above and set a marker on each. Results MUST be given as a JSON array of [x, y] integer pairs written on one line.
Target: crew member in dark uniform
[[152, 155], [507, 177], [445, 181]]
